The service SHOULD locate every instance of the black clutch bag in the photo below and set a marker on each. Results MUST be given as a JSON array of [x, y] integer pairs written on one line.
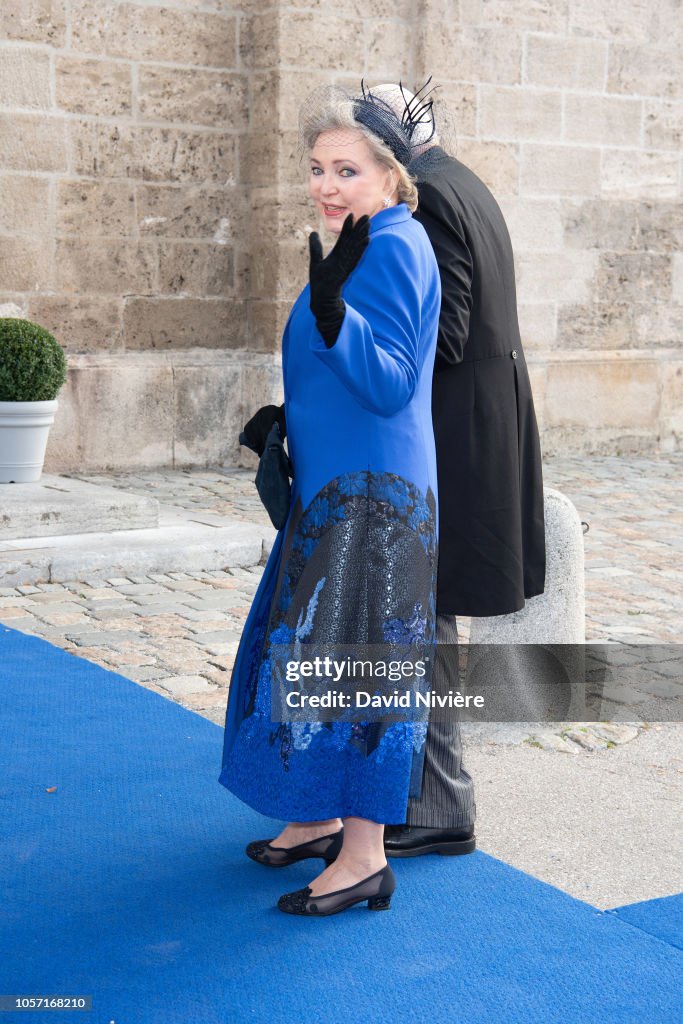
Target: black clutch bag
[[272, 478]]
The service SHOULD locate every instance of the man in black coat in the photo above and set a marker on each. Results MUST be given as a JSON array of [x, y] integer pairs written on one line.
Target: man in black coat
[[491, 526]]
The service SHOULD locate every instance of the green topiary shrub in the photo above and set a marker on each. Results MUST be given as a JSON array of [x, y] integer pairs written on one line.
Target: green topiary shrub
[[32, 362]]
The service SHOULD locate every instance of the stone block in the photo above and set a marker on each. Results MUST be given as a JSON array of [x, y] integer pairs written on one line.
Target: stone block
[[629, 174], [266, 322], [474, 53], [658, 325], [57, 505], [24, 205], [557, 616], [290, 166], [259, 40], [601, 224], [278, 94], [537, 377], [617, 393], [281, 274], [190, 211], [538, 325], [287, 213], [105, 266], [33, 142], [169, 154], [666, 22], [132, 551], [87, 86], [663, 124], [633, 277], [268, 97], [455, 110], [179, 323], [36, 21], [257, 271], [567, 276], [511, 114], [194, 96], [16, 570], [386, 53], [180, 686], [102, 407], [160, 33], [292, 267], [150, 153], [603, 120], [561, 441], [533, 223], [645, 71], [661, 226], [24, 77], [613, 19], [677, 277], [95, 208], [671, 419], [13, 305], [356, 8], [25, 264], [566, 63], [261, 385], [496, 163], [243, 270], [543, 15], [258, 159], [81, 323], [598, 325], [208, 414], [303, 36], [98, 149], [559, 170], [195, 268]]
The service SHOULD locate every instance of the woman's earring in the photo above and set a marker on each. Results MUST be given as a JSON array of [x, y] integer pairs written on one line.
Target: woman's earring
[[387, 200]]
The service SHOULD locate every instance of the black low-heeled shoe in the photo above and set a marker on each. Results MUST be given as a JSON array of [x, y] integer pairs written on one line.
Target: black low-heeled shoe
[[325, 847], [377, 889]]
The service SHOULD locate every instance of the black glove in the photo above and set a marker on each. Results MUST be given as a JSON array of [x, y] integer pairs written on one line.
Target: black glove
[[328, 275], [272, 479], [257, 429]]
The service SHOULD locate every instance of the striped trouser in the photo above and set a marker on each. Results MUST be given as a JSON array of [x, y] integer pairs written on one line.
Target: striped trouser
[[447, 798]]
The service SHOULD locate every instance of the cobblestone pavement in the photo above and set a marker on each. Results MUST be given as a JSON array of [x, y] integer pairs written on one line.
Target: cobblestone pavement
[[177, 633], [634, 547]]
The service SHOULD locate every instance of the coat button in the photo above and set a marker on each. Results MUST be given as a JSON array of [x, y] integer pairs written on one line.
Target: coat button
[[514, 353]]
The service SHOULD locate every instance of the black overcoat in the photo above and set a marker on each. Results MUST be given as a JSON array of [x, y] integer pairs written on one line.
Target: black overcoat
[[491, 529]]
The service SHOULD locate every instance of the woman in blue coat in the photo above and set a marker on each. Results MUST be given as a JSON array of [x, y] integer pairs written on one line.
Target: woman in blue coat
[[355, 563]]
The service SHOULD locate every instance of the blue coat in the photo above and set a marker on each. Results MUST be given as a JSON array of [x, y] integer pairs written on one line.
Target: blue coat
[[356, 561]]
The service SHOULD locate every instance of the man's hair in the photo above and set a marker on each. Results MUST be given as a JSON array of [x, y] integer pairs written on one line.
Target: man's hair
[[396, 97]]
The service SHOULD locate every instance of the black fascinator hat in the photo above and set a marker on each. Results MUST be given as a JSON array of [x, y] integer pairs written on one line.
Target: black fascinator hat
[[402, 120], [398, 133]]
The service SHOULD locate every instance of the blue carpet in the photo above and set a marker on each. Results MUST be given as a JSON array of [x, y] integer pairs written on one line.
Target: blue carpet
[[129, 883], [662, 918]]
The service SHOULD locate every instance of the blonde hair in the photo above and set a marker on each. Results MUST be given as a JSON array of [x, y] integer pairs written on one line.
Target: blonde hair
[[336, 115]]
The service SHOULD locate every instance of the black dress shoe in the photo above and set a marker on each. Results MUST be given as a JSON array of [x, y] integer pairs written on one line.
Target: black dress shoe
[[326, 847], [377, 889], [410, 841]]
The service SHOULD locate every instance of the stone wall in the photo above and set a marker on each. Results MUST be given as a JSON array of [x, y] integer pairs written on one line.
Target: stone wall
[[153, 211], [572, 112], [124, 206]]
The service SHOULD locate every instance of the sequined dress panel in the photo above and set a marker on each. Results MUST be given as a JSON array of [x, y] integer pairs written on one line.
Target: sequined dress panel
[[356, 561]]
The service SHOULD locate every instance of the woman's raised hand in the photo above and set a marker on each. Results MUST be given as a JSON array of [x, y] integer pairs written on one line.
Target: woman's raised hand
[[328, 274]]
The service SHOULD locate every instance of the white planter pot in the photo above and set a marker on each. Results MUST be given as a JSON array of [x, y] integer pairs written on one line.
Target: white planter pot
[[24, 427]]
